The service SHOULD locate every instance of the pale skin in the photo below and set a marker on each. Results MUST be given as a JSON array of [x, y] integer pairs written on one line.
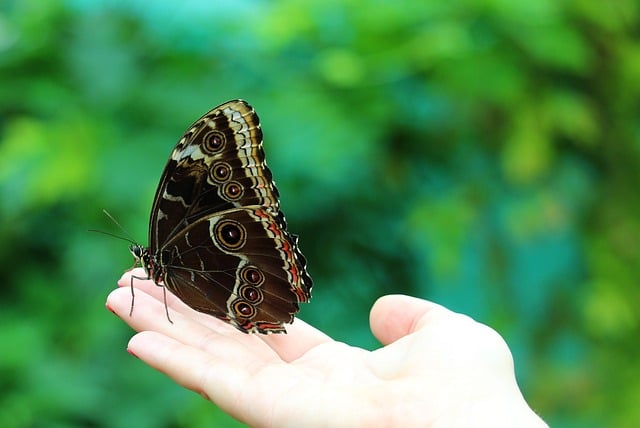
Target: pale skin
[[437, 368]]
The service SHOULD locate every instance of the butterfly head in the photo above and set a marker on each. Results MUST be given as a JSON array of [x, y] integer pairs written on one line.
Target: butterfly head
[[138, 252], [142, 257]]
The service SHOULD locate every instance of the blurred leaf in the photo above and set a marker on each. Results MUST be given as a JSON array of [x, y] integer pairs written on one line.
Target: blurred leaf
[[484, 154]]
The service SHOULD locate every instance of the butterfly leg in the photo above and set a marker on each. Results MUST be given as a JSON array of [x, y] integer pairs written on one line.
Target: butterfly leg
[[133, 296], [166, 307], [164, 295]]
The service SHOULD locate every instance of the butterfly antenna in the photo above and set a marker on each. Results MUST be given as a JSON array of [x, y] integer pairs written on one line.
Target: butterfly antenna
[[127, 236]]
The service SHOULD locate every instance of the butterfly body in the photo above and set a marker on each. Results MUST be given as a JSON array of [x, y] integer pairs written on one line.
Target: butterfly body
[[217, 237]]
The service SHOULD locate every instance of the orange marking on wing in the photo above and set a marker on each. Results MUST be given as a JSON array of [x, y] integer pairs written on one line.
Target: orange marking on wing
[[302, 296], [274, 228], [286, 247], [261, 214], [269, 326]]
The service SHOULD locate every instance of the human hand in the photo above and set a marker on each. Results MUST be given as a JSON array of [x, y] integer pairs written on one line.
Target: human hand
[[437, 367]]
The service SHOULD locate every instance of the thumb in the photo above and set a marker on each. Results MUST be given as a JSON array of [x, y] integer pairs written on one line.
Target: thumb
[[396, 315]]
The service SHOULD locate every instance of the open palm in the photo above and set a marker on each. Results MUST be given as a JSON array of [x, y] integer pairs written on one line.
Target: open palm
[[437, 368]]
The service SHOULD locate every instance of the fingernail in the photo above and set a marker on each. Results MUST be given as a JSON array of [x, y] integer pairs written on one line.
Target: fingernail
[[109, 308], [132, 353]]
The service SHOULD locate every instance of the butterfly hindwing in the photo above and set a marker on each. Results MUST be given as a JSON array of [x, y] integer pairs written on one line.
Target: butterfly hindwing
[[247, 269]]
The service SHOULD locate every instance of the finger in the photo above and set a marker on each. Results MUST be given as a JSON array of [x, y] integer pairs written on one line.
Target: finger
[[159, 292], [216, 377], [253, 392], [395, 316], [197, 329], [150, 315], [152, 289], [300, 337], [136, 276], [125, 279]]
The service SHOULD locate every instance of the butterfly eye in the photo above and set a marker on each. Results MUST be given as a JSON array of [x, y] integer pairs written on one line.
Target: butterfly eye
[[251, 294], [252, 276], [243, 309], [213, 142], [220, 172], [137, 251], [230, 234], [232, 191]]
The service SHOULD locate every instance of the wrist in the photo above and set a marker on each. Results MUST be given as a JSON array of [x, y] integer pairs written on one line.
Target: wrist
[[500, 413]]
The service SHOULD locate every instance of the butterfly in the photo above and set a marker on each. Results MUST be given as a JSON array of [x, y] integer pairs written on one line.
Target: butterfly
[[217, 237]]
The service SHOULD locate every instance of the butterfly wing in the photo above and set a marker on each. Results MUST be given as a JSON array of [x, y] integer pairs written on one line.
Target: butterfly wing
[[241, 266], [217, 229], [218, 164]]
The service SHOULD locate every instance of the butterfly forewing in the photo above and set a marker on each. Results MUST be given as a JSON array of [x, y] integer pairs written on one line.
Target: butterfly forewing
[[216, 233], [218, 164]]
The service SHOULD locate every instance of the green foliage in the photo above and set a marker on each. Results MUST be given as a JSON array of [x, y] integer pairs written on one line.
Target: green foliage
[[484, 154]]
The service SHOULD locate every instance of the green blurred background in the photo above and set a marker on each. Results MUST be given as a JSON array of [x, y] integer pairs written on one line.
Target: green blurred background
[[484, 154]]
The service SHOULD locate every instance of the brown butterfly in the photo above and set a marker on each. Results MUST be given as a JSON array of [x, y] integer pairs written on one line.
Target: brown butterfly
[[217, 237]]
